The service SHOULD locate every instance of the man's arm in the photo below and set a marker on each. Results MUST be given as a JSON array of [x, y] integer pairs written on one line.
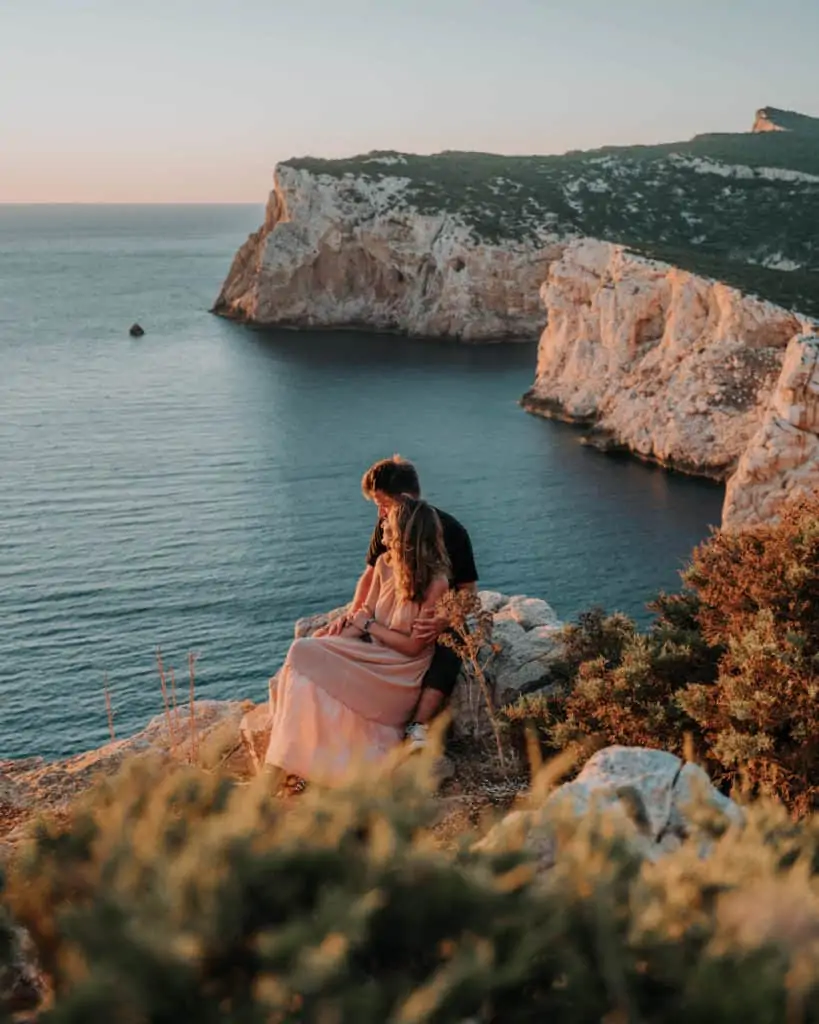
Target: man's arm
[[429, 626]]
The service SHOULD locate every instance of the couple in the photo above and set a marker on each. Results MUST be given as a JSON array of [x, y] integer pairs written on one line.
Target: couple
[[345, 696]]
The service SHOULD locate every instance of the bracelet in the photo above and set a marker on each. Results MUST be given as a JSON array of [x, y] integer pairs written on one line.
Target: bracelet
[[367, 624]]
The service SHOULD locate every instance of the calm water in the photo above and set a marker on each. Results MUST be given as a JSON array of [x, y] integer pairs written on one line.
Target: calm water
[[198, 489]]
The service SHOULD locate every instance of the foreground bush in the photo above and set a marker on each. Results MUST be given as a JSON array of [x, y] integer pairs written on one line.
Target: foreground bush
[[192, 899], [730, 664], [759, 602]]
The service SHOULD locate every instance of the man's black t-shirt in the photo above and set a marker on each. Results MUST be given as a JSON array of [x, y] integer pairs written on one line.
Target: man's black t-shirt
[[457, 544]]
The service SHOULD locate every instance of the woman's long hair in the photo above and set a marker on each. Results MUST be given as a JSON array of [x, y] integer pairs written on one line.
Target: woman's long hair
[[416, 547]]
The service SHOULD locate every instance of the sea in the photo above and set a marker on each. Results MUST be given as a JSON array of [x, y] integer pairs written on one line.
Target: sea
[[196, 490]]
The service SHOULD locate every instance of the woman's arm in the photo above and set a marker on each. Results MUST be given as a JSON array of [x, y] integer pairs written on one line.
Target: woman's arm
[[366, 596], [404, 643]]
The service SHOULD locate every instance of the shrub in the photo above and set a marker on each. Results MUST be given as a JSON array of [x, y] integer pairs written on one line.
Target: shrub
[[731, 662], [618, 686], [759, 595], [191, 898]]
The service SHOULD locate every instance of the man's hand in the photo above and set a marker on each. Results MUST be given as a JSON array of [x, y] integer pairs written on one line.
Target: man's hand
[[429, 626]]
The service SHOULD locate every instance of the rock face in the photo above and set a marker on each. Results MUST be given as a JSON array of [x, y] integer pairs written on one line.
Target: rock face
[[526, 631], [456, 245], [673, 367], [666, 363], [772, 119], [782, 459], [353, 252], [651, 795], [765, 121]]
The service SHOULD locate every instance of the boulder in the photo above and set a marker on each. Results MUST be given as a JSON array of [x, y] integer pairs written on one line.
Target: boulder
[[654, 798], [136, 331], [528, 612]]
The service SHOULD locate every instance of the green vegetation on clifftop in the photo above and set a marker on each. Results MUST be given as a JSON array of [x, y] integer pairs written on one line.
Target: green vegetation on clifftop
[[740, 207]]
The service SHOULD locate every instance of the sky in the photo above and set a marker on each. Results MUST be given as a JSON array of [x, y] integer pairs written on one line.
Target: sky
[[196, 100]]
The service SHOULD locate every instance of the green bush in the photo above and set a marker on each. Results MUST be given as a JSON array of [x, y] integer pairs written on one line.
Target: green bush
[[730, 666], [194, 899], [759, 594], [615, 685]]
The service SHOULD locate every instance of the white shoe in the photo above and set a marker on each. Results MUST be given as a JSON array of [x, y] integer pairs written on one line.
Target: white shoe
[[416, 736]]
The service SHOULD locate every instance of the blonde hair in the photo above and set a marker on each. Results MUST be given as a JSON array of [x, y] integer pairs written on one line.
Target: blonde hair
[[416, 547]]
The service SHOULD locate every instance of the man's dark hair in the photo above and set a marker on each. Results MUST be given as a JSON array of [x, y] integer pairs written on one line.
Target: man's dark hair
[[395, 476]]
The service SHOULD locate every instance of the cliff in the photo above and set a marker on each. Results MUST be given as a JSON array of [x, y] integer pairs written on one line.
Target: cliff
[[353, 252], [675, 368], [782, 459], [683, 371], [772, 119], [457, 244], [671, 280]]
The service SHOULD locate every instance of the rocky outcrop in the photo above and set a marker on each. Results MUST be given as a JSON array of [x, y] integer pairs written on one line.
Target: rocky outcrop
[[651, 796], [782, 459], [356, 251], [683, 371], [675, 368], [35, 785], [772, 119], [456, 245], [766, 121]]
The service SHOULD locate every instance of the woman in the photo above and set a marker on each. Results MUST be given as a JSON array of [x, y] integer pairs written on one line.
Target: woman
[[343, 700]]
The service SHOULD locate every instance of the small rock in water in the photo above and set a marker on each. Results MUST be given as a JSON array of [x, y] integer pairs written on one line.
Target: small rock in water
[[136, 331]]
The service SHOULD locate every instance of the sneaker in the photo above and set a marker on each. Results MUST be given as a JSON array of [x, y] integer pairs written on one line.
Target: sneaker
[[416, 736]]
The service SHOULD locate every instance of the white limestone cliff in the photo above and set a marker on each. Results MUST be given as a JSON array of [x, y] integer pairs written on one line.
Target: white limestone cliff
[[675, 368], [782, 459], [355, 251], [670, 366]]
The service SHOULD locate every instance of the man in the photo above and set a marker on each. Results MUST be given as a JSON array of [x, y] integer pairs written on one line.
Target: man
[[387, 482]]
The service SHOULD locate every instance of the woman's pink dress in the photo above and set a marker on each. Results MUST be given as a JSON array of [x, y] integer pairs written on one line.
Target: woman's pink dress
[[342, 703]]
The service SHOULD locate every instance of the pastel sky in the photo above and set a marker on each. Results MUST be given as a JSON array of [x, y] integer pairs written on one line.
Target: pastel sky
[[196, 100]]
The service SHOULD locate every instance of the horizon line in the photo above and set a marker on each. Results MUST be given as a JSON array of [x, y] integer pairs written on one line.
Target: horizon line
[[134, 202]]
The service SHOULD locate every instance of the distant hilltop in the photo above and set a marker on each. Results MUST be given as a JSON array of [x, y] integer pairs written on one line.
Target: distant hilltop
[[771, 119]]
